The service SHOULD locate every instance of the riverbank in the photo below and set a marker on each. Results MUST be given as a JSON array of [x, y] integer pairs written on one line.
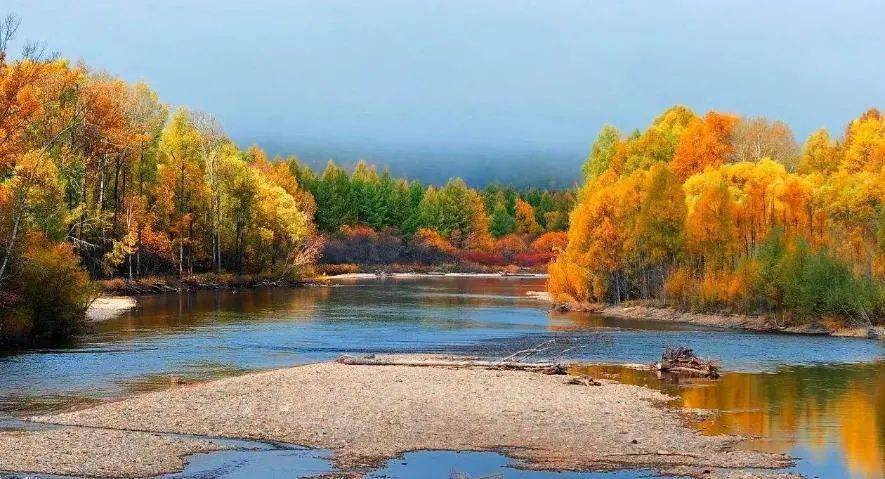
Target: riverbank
[[358, 276], [759, 323], [119, 287], [427, 269], [207, 281], [368, 414]]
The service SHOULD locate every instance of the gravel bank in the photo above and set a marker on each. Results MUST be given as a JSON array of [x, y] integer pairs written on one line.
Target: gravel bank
[[366, 414], [95, 452], [716, 320]]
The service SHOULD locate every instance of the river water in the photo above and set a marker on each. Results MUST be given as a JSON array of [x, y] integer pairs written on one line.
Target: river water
[[817, 398]]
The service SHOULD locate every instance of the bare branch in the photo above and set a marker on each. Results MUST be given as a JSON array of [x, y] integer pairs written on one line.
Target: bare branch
[[8, 27], [33, 50]]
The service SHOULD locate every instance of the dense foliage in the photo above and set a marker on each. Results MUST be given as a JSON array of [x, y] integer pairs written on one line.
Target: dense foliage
[[371, 218], [98, 179], [726, 212]]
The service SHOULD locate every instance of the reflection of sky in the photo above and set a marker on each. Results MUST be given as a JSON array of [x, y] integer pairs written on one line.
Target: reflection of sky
[[273, 328], [423, 464], [404, 80]]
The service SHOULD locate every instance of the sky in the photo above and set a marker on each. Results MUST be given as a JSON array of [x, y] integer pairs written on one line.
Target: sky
[[511, 90]]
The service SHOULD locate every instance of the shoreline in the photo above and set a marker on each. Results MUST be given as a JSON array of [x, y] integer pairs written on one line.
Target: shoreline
[[119, 287], [348, 276], [746, 322], [200, 282], [369, 414]]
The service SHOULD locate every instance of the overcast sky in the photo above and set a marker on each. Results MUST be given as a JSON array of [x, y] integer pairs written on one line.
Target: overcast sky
[[417, 83]]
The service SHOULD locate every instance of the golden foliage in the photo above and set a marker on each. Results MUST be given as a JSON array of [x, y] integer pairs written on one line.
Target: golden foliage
[[693, 227]]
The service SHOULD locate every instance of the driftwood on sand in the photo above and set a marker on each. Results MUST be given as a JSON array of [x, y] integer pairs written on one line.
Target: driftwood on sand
[[682, 360], [513, 362], [544, 368]]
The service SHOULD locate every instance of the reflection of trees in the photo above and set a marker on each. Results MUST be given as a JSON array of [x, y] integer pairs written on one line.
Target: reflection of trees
[[170, 313], [813, 406], [822, 405], [480, 292]]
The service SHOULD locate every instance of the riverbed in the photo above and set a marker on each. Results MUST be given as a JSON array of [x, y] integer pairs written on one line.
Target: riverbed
[[817, 398]]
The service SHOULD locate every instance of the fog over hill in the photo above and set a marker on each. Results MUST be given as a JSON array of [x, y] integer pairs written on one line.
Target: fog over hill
[[479, 166], [513, 91]]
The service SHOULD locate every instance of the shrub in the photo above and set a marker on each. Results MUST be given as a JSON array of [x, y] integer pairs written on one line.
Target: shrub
[[508, 247], [484, 258], [429, 247], [341, 268], [568, 281], [362, 244], [679, 288], [532, 258], [817, 284], [49, 295], [552, 242]]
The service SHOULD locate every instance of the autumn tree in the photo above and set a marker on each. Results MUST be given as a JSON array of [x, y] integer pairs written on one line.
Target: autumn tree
[[658, 238], [864, 145], [819, 154], [457, 212], [602, 152], [526, 224], [706, 142], [183, 197]]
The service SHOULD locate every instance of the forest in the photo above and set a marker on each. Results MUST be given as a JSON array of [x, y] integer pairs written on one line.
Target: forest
[[726, 213], [100, 179]]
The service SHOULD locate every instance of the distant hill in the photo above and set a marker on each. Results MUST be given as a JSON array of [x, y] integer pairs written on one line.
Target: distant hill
[[478, 167]]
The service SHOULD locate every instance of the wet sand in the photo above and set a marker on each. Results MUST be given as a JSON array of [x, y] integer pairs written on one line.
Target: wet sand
[[109, 307], [367, 414]]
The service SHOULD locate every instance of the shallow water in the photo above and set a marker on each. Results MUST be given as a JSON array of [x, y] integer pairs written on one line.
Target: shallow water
[[296, 462], [785, 390], [831, 417]]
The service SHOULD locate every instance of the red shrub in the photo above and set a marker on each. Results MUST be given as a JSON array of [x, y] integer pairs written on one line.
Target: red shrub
[[484, 258], [532, 258], [552, 242]]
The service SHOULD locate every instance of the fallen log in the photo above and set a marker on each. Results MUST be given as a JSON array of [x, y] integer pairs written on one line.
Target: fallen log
[[544, 368], [685, 361]]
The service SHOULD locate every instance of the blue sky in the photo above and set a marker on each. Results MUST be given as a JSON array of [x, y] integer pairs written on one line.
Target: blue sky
[[507, 89]]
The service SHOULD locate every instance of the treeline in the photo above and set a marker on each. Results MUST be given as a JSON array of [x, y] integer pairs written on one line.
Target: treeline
[[92, 161], [98, 179], [368, 218], [721, 212]]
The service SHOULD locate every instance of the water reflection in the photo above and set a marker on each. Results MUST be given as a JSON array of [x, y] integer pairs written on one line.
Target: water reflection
[[831, 416], [296, 462], [207, 334]]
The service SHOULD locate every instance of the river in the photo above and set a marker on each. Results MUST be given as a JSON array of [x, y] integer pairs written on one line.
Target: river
[[820, 399]]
